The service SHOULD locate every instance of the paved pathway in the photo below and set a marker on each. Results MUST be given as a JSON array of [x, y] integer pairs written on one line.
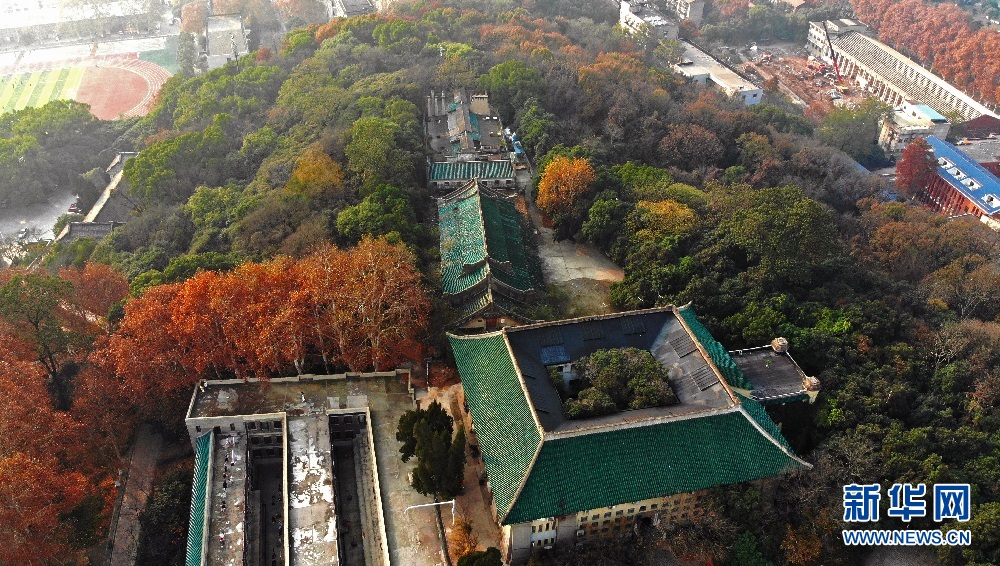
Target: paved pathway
[[582, 270], [142, 468], [567, 260]]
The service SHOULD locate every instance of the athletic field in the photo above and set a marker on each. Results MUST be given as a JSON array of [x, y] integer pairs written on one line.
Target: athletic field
[[35, 89], [118, 85]]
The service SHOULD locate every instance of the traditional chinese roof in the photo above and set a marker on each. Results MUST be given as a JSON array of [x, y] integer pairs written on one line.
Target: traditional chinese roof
[[199, 501], [967, 176], [488, 301], [481, 239], [468, 170], [541, 464]]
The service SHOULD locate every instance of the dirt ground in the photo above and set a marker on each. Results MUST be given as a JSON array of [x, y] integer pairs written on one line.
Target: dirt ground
[[585, 297], [811, 82]]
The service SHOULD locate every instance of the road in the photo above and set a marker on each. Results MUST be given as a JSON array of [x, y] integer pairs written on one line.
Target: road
[[37, 218]]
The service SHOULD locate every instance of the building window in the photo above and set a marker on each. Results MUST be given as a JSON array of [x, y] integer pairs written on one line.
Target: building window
[[533, 528], [594, 518], [277, 425], [653, 506], [641, 509], [606, 521], [251, 426], [197, 429], [608, 514], [618, 513], [232, 427], [632, 510]]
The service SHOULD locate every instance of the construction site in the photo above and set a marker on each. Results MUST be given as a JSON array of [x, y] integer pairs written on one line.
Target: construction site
[[806, 80]]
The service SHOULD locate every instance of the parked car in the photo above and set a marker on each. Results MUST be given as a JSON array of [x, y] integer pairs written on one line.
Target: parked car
[[74, 209]]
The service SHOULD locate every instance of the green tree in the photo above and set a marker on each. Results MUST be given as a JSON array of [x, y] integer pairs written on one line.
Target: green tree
[[855, 131], [440, 457], [489, 557], [386, 210], [746, 553], [511, 84], [434, 414], [186, 53], [30, 302], [372, 154], [165, 521]]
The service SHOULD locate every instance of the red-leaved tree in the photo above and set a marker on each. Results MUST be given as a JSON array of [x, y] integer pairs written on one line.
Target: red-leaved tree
[[916, 168]]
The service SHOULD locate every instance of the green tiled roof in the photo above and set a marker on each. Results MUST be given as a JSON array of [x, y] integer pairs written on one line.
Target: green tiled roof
[[756, 411], [506, 429], [199, 495], [480, 302], [720, 356], [623, 465], [481, 236], [581, 470], [465, 170]]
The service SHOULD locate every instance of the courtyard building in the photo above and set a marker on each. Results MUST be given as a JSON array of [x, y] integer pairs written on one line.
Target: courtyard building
[[560, 482]]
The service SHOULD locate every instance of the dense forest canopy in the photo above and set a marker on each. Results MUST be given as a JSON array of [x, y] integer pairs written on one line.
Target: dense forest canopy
[[247, 174]]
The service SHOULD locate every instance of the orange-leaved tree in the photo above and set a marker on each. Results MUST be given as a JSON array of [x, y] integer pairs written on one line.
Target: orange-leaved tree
[[366, 304], [562, 183], [35, 492]]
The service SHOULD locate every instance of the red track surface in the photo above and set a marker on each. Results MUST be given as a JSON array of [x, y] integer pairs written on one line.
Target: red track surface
[[111, 92]]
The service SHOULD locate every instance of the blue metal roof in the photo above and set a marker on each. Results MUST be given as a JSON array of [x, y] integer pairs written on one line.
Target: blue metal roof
[[967, 176], [932, 114]]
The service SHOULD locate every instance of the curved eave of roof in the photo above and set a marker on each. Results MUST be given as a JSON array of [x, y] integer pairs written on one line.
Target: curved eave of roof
[[506, 425], [589, 471]]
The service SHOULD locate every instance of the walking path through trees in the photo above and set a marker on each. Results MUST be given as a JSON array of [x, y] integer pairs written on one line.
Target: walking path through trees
[[138, 483]]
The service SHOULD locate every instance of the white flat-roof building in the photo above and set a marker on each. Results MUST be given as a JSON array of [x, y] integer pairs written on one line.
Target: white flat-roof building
[[701, 67], [885, 72], [687, 9], [634, 15], [908, 122]]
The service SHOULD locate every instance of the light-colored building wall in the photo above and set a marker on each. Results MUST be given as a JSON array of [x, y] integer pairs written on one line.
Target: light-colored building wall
[[907, 123], [633, 16], [693, 10], [592, 526], [884, 72]]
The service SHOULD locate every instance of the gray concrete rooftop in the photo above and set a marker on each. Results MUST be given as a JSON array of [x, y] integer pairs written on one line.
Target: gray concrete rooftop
[[773, 375], [312, 518], [308, 394], [227, 526], [539, 347]]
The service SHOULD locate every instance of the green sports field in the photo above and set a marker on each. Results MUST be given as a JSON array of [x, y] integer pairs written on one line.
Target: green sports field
[[35, 89]]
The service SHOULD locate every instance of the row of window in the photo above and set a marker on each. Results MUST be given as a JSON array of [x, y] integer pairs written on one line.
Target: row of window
[[539, 529], [642, 509], [254, 426], [267, 440]]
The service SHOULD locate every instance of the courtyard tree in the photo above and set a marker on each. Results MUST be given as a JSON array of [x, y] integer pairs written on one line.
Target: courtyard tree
[[427, 435]]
